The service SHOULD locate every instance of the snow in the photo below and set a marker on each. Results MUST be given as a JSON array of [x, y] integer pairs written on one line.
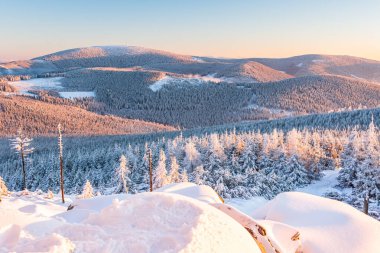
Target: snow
[[325, 185], [53, 83], [203, 193], [25, 86], [300, 64], [185, 217], [76, 94], [180, 81], [316, 61], [325, 225], [197, 59], [145, 222]]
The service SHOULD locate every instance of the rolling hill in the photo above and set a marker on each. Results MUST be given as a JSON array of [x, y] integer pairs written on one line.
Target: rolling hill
[[314, 64], [40, 118], [189, 91]]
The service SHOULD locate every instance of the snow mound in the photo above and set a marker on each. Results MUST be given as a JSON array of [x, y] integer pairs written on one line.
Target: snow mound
[[203, 193], [144, 222], [158, 222], [325, 225]]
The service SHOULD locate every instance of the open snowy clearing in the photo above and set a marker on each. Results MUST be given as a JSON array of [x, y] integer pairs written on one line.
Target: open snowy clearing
[[196, 80], [25, 87], [168, 222]]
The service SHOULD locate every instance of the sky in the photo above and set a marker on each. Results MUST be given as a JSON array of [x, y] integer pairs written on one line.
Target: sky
[[222, 28]]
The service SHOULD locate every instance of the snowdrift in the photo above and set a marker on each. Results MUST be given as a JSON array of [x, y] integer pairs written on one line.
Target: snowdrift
[[145, 222], [202, 193], [325, 225], [183, 218]]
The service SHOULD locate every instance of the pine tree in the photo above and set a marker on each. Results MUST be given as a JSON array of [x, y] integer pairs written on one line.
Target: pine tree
[[21, 144], [160, 174], [88, 191], [122, 173]]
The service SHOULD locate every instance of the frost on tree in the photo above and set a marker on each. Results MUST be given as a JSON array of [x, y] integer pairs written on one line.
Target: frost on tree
[[88, 191], [160, 177], [3, 188], [174, 176], [21, 144], [192, 156], [122, 173]]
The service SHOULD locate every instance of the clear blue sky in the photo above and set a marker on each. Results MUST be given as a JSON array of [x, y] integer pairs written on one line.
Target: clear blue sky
[[229, 28]]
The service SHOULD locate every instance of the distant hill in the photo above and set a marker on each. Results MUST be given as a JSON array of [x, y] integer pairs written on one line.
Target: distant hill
[[314, 64], [315, 94], [258, 69], [40, 118], [192, 91]]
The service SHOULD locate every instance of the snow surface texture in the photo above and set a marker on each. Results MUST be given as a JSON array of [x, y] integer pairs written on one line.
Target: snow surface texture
[[145, 222], [325, 225], [168, 222], [203, 193]]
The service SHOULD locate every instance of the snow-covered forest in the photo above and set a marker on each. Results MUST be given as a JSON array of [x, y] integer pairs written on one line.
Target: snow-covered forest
[[236, 165]]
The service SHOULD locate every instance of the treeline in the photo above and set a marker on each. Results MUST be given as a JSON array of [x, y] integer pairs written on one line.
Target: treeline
[[234, 164]]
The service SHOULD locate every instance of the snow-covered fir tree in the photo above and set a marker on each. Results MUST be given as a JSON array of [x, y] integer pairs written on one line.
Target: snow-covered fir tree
[[21, 144], [88, 191], [160, 174], [174, 176], [122, 174]]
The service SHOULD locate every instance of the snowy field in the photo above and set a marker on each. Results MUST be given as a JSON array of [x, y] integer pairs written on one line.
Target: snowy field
[[25, 87], [179, 218]]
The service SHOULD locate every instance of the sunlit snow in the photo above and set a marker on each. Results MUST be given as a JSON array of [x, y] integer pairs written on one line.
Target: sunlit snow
[[25, 86]]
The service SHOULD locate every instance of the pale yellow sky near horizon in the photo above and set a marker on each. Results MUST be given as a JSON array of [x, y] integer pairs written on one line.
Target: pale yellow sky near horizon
[[218, 28]]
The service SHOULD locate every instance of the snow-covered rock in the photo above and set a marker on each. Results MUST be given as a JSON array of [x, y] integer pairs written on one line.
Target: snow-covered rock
[[325, 225]]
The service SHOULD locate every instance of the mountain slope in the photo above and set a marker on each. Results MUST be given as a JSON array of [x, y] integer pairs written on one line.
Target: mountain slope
[[39, 118], [315, 94], [252, 71], [305, 65]]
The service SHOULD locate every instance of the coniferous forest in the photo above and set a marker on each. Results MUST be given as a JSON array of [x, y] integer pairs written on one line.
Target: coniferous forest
[[235, 164]]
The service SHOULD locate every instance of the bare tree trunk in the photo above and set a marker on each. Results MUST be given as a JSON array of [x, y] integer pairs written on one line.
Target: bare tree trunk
[[23, 170], [366, 204], [61, 172], [150, 171], [60, 145]]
